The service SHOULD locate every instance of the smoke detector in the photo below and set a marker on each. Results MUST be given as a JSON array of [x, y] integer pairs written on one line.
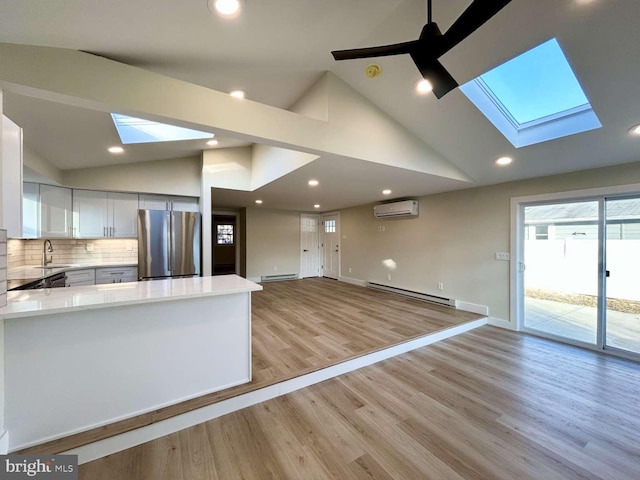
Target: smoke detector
[[373, 70]]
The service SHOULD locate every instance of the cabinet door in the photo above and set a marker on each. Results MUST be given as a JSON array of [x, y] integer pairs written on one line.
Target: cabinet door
[[154, 202], [11, 177], [123, 215], [30, 210], [185, 204], [55, 211], [90, 214]]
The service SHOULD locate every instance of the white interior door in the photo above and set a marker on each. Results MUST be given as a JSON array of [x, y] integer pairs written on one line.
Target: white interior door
[[331, 246], [310, 245]]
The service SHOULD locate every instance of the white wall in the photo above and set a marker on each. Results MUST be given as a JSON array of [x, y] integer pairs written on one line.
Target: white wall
[[38, 169], [179, 176], [273, 242], [455, 238]]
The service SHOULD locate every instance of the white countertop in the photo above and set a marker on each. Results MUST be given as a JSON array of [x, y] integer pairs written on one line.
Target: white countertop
[[28, 303]]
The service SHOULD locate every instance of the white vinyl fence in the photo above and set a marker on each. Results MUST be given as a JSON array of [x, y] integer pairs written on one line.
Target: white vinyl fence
[[571, 266]]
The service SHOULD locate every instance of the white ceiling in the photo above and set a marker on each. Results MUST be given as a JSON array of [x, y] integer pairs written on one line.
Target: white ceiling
[[277, 49]]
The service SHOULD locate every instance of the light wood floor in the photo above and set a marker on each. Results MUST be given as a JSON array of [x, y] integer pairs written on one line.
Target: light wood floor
[[487, 404], [299, 327]]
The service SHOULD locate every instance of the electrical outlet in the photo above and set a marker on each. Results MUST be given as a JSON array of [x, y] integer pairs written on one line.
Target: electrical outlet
[[440, 286], [503, 256], [89, 247], [389, 276], [349, 269], [275, 269]]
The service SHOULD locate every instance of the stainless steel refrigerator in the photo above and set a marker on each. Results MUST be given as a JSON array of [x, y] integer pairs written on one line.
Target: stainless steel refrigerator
[[168, 244]]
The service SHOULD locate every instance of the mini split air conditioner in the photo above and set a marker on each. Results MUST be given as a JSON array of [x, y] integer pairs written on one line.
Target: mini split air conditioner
[[406, 208]]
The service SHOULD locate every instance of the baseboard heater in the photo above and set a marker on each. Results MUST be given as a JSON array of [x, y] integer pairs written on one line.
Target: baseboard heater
[[278, 278], [410, 293]]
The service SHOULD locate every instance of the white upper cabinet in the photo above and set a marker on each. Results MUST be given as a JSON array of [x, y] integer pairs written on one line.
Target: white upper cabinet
[[90, 214], [166, 202], [104, 214], [148, 201], [11, 177], [55, 212], [185, 204], [123, 214], [30, 210]]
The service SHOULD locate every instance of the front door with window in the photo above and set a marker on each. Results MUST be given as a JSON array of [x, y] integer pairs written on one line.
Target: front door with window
[[331, 246]]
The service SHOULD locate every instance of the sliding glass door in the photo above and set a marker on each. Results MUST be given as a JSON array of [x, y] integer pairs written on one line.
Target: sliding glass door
[[580, 271], [623, 274], [561, 260]]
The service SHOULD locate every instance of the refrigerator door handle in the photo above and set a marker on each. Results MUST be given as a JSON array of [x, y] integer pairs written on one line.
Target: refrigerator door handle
[[169, 245]]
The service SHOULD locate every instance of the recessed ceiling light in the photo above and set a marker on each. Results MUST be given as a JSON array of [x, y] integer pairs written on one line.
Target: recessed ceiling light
[[504, 161], [238, 93], [316, 206], [212, 142], [259, 202], [635, 130], [115, 149], [386, 192], [224, 7], [313, 183], [423, 86]]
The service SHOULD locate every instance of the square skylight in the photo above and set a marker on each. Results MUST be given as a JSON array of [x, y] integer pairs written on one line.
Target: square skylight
[[138, 130], [533, 97]]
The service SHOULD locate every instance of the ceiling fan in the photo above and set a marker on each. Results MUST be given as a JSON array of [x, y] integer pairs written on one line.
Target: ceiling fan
[[432, 44]]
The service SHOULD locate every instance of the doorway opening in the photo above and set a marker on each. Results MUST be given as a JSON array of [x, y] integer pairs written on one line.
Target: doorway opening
[[225, 241], [576, 275]]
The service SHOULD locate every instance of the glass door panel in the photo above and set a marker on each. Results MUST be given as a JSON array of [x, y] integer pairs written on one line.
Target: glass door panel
[[623, 266], [561, 270]]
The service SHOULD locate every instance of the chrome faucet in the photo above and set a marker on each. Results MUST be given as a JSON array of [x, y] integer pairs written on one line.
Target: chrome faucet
[[47, 248]]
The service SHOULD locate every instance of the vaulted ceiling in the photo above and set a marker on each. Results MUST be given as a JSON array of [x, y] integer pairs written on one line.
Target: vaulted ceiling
[[277, 49]]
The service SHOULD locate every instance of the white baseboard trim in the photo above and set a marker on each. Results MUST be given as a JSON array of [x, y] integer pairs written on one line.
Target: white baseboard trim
[[4, 443], [117, 443], [352, 281], [498, 322], [472, 307]]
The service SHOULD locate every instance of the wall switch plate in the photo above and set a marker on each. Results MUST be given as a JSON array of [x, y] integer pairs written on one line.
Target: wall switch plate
[[89, 247], [503, 256]]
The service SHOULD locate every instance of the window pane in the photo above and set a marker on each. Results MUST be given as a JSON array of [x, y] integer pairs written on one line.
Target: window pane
[[224, 235]]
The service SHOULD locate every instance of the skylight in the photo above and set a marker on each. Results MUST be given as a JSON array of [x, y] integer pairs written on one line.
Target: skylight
[[533, 97], [138, 130]]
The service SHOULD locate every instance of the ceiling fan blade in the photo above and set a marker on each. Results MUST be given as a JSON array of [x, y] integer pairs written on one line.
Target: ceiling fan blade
[[382, 51], [433, 71], [476, 15]]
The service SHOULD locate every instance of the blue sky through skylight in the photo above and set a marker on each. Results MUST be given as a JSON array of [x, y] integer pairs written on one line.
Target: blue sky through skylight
[[536, 84], [138, 130]]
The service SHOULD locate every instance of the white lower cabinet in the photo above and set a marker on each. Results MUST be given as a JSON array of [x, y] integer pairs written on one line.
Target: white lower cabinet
[[116, 275], [76, 278]]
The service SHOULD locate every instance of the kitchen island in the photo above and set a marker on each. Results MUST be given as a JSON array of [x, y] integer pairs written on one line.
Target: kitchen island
[[78, 358]]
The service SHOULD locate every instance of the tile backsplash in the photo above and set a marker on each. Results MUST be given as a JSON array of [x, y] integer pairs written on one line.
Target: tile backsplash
[[66, 250]]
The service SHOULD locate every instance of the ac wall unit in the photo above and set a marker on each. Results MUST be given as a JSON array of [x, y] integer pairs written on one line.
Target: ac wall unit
[[405, 208]]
